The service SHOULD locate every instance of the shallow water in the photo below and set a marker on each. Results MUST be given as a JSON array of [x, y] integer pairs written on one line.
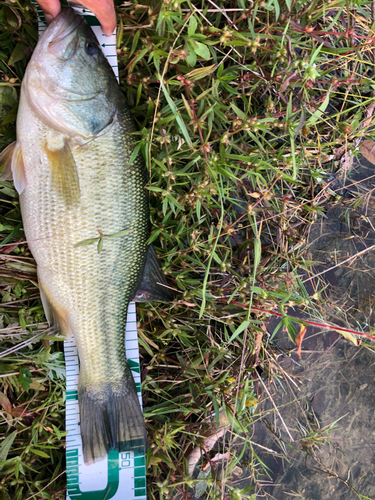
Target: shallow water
[[333, 382], [321, 437]]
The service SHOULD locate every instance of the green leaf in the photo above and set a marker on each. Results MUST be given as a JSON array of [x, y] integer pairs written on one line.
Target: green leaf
[[192, 26], [25, 377], [22, 319], [134, 154], [290, 328], [199, 73], [17, 54], [137, 59], [86, 242], [315, 54], [40, 453], [152, 237], [175, 111], [187, 107], [191, 56], [57, 431], [139, 93], [217, 409], [238, 112], [277, 9], [100, 244], [257, 253], [135, 41], [124, 232], [202, 50], [320, 111], [239, 330], [5, 447], [173, 201]]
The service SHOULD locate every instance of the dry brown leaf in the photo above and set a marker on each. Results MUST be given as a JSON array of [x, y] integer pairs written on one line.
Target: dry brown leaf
[[299, 339], [221, 456], [367, 148], [286, 82], [210, 438], [5, 403], [21, 412]]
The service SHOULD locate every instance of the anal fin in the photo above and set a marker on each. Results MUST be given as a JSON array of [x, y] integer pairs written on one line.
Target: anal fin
[[56, 315], [153, 285]]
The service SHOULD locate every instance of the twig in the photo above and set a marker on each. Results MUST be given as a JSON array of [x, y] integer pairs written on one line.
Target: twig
[[307, 322], [362, 252], [277, 410]]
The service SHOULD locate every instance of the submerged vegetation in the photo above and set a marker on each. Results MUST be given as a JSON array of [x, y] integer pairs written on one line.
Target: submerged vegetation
[[249, 114]]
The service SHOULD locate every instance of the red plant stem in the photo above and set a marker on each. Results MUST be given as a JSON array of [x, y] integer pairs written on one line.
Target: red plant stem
[[308, 322]]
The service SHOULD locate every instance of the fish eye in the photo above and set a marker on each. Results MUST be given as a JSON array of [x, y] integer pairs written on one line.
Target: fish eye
[[91, 49]]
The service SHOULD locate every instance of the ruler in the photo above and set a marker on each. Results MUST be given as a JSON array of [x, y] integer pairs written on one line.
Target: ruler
[[120, 475]]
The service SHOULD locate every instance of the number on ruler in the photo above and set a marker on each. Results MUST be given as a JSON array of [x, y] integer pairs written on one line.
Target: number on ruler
[[125, 460]]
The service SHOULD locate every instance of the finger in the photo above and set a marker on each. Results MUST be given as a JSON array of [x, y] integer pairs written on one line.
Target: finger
[[51, 8], [104, 10]]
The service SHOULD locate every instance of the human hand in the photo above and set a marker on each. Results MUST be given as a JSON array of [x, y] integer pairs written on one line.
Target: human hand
[[104, 10]]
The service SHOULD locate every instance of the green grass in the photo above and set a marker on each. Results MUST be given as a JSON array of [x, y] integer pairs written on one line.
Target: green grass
[[241, 109]]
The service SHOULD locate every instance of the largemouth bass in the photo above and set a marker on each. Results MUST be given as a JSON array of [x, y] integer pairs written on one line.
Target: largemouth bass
[[71, 166]]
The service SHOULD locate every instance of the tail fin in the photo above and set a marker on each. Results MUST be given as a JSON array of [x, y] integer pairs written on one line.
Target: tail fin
[[111, 418]]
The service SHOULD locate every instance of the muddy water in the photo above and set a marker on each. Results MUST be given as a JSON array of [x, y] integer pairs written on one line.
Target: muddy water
[[321, 437], [328, 407]]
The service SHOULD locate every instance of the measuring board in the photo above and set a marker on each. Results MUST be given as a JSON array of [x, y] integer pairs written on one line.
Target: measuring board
[[120, 475]]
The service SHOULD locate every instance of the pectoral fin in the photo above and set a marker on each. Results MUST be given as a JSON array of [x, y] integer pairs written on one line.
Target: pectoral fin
[[64, 172], [12, 165], [153, 285]]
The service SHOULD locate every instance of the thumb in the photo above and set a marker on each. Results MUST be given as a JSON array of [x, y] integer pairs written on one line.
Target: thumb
[[51, 8], [104, 10]]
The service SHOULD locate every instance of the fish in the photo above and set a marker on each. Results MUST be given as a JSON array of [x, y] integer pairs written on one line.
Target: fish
[[85, 211]]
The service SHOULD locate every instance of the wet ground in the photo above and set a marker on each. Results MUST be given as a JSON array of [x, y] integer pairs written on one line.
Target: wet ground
[[318, 424], [328, 409]]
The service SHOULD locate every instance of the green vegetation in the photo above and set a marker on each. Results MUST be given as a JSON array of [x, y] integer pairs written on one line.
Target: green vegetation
[[244, 109]]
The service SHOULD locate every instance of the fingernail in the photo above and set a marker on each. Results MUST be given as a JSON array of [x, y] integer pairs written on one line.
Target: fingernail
[[48, 18]]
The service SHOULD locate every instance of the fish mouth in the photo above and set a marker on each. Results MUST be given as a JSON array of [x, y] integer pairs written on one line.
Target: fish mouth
[[64, 41], [63, 25], [58, 34]]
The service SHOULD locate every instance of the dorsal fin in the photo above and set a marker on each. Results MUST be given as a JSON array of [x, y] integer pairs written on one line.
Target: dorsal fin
[[153, 285]]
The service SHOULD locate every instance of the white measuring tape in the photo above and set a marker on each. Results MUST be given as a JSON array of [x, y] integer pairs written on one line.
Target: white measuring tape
[[120, 475]]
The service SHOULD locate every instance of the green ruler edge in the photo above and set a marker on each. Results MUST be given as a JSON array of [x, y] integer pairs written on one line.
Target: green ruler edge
[[120, 475]]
